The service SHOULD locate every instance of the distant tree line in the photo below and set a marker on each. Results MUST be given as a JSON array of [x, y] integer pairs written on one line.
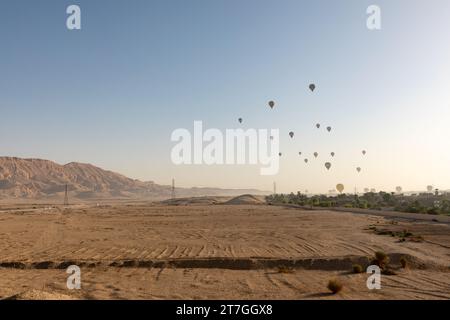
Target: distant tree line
[[430, 203]]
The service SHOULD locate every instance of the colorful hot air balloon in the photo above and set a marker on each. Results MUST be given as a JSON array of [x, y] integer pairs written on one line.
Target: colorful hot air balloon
[[291, 134], [340, 187], [312, 87], [328, 165], [271, 104]]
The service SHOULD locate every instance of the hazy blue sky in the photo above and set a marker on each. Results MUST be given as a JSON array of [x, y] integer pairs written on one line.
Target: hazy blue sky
[[112, 93]]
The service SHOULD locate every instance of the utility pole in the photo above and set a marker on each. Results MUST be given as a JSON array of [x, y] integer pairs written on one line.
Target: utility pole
[[173, 188], [66, 198]]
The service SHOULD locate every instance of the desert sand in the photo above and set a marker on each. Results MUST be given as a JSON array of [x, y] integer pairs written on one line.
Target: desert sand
[[222, 249]]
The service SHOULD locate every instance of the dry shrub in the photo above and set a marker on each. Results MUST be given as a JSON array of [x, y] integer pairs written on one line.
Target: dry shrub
[[381, 259], [357, 268], [285, 269], [334, 286], [404, 262]]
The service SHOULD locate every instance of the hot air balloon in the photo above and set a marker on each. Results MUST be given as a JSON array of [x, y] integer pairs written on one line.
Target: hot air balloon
[[364, 152], [328, 165], [398, 189], [318, 125], [315, 154], [306, 160], [240, 120], [429, 188], [358, 169], [332, 154], [340, 187], [291, 134], [280, 154], [300, 153], [271, 104], [329, 129], [312, 87], [271, 137]]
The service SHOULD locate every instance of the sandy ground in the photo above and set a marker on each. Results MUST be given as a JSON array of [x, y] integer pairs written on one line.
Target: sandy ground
[[109, 242]]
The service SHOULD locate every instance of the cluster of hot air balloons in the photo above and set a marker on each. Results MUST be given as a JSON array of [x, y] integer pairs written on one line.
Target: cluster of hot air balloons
[[340, 188], [367, 190], [271, 104], [363, 153], [328, 128], [399, 189], [328, 165]]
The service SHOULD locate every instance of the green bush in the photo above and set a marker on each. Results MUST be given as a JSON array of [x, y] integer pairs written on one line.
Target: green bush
[[433, 210], [363, 204]]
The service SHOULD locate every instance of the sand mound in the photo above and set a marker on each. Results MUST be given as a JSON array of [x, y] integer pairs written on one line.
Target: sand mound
[[246, 199], [195, 201], [39, 295]]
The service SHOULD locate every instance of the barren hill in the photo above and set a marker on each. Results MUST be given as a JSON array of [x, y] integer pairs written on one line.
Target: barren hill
[[37, 178]]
